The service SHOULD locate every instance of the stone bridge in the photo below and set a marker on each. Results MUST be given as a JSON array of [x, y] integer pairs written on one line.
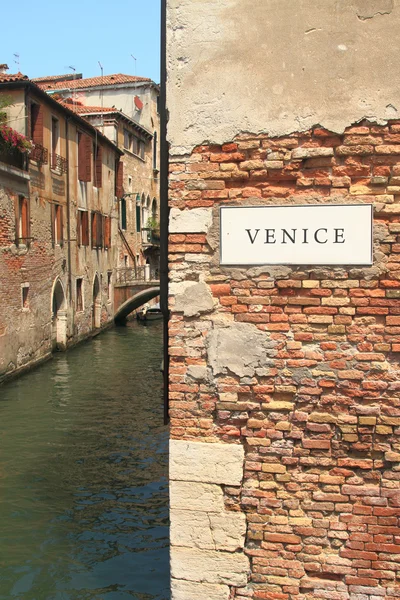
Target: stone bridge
[[130, 296]]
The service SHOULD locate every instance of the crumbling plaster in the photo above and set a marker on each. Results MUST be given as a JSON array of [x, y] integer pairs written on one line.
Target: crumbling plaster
[[278, 66]]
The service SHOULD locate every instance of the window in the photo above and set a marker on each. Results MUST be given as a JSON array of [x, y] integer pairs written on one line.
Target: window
[[127, 140], [83, 228], [25, 296], [79, 294], [155, 151], [123, 213], [109, 285], [84, 156], [129, 184], [57, 224], [107, 232], [36, 123], [22, 221], [119, 178], [141, 149], [97, 165], [55, 136], [97, 230], [138, 218]]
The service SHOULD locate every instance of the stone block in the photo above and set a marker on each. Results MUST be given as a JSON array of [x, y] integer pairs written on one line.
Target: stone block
[[196, 496], [206, 462], [197, 220], [209, 566], [210, 531], [188, 590]]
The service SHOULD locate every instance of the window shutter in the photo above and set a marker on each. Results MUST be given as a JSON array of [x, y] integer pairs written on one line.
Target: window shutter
[[99, 167], [53, 222], [85, 228], [119, 187], [79, 228], [24, 218], [88, 158], [81, 157], [37, 122], [94, 229], [84, 157], [16, 210], [60, 224], [100, 220], [107, 232]]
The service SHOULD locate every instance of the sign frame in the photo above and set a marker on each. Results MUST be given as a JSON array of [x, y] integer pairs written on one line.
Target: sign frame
[[295, 264]]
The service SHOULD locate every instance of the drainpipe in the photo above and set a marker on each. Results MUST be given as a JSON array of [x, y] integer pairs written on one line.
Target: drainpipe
[[69, 225], [164, 210]]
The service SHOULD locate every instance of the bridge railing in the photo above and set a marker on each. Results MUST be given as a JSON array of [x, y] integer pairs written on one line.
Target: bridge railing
[[129, 275]]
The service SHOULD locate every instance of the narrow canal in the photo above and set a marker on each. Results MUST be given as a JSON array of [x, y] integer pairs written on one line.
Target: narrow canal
[[83, 474]]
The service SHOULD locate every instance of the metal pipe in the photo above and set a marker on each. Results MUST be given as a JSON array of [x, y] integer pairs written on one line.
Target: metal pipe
[[164, 209]]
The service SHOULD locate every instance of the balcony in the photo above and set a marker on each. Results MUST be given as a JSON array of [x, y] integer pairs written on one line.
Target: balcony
[[40, 154], [13, 157], [150, 237], [129, 275], [58, 164]]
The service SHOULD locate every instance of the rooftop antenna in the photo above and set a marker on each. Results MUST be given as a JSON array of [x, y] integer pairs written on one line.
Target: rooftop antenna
[[73, 69], [135, 64], [101, 96], [16, 60]]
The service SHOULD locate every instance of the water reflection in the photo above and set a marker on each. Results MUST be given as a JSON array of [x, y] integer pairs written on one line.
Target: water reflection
[[83, 474]]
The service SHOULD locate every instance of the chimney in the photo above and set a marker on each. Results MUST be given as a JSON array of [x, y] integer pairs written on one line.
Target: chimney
[[3, 68]]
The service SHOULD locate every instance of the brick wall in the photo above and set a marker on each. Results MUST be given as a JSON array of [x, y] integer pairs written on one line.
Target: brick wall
[[298, 366]]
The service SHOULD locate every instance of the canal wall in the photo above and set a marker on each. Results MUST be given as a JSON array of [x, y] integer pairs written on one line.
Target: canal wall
[[284, 379]]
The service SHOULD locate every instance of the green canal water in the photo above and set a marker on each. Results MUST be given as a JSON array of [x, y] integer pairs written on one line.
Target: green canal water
[[83, 474]]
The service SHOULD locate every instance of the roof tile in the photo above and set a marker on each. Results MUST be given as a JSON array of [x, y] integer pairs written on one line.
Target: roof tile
[[116, 79]]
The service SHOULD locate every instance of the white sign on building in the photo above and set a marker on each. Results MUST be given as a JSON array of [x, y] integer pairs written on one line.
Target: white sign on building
[[322, 234]]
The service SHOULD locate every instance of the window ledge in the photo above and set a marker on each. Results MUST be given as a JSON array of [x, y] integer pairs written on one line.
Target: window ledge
[[126, 151]]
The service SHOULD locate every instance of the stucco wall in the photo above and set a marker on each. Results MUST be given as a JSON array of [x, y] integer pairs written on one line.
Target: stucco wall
[[278, 66]]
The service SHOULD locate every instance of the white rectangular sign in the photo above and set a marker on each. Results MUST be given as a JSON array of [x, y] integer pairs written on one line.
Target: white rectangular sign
[[321, 234]]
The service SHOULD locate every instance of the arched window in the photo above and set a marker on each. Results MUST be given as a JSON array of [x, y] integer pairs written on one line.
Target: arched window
[[154, 210]]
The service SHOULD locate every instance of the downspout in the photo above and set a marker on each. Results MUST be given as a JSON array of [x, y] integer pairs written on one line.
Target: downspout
[[69, 225], [164, 209]]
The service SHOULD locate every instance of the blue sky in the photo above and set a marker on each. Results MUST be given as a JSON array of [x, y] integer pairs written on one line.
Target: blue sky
[[51, 36]]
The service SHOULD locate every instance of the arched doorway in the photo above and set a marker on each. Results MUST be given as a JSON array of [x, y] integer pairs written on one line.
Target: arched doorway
[[59, 317], [96, 307]]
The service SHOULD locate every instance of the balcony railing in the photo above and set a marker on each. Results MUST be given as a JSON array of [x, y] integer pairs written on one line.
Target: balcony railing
[[58, 163], [150, 237], [128, 275], [40, 154]]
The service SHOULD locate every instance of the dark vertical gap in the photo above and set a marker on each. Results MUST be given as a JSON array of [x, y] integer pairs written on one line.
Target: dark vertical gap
[[164, 210]]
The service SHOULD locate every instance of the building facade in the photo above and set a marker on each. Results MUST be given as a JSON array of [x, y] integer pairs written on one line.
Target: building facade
[[59, 227], [284, 378], [126, 109]]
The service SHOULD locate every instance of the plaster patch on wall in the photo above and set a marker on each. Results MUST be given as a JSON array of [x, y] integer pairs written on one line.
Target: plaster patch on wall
[[197, 220], [368, 9], [193, 298], [239, 348], [341, 42]]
